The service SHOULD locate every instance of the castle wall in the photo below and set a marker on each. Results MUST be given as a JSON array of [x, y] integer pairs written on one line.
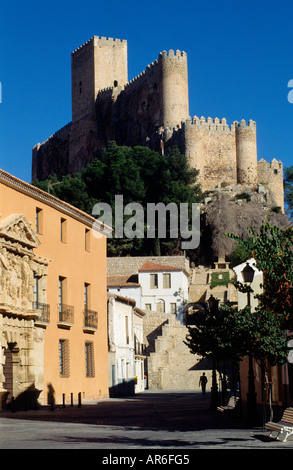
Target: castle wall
[[52, 156], [211, 148], [156, 99], [137, 110], [82, 143], [271, 175]]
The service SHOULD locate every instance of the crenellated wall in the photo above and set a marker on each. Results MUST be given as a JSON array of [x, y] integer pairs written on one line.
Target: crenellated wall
[[150, 110], [271, 175]]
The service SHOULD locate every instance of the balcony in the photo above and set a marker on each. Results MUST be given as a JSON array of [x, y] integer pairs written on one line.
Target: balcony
[[44, 318], [66, 316], [139, 348], [90, 321]]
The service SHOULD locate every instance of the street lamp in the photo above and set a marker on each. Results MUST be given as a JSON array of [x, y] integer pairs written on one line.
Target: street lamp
[[248, 276]]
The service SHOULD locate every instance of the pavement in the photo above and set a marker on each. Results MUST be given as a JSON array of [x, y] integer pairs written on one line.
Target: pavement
[[169, 422]]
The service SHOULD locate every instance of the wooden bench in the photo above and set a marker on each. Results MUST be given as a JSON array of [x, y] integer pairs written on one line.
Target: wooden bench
[[231, 405], [285, 425]]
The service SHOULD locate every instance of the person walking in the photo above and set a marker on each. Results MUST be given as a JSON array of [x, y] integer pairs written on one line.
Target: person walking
[[203, 382]]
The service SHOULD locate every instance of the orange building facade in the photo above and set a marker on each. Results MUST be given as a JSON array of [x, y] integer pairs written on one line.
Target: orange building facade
[[53, 299]]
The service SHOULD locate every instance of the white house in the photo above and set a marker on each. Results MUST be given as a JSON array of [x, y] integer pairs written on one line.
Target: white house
[[244, 298], [126, 286], [139, 357], [125, 339], [164, 288]]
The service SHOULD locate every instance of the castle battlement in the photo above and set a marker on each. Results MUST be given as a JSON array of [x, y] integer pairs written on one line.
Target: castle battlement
[[217, 125], [101, 40], [56, 134], [273, 164], [171, 54]]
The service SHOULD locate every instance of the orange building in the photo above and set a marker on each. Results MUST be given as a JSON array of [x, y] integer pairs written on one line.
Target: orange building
[[53, 298]]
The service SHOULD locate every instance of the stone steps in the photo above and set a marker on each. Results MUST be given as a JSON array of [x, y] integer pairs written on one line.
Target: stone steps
[[169, 366]]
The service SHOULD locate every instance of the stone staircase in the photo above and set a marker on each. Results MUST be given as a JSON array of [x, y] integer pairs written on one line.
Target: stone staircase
[[172, 366]]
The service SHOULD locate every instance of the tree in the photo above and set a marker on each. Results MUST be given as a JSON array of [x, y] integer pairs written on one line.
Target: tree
[[141, 175], [271, 248]]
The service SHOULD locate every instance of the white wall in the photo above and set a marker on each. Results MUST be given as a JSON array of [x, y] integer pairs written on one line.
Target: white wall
[[121, 342], [257, 280], [128, 292], [177, 293]]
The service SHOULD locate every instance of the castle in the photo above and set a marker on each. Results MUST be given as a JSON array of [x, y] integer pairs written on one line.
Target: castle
[[150, 110]]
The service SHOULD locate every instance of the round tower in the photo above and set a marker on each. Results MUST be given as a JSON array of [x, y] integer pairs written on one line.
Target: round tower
[[246, 153], [174, 87]]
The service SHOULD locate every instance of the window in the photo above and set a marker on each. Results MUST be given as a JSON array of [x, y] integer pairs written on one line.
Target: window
[[64, 357], [173, 307], [126, 330], [153, 281], [80, 87], [166, 281], [86, 294], [62, 297], [87, 240], [89, 359], [36, 289], [39, 220], [148, 306], [160, 306], [63, 230], [62, 291]]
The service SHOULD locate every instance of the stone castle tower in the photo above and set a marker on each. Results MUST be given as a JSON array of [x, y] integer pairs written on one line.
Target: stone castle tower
[[150, 110]]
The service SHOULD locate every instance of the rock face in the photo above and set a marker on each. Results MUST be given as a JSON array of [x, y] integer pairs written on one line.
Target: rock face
[[234, 209]]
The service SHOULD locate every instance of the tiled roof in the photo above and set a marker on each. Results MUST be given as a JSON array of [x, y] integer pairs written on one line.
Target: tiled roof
[[149, 266], [122, 281]]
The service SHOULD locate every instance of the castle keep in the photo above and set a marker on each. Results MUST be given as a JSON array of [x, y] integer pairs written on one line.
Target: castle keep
[[150, 110]]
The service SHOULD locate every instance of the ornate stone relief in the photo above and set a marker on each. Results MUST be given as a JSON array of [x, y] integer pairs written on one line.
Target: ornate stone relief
[[19, 268]]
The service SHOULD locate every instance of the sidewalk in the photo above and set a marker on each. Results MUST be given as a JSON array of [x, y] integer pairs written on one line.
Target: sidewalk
[[149, 420]]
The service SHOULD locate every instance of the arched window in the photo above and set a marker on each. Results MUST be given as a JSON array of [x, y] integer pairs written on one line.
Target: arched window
[[80, 86], [160, 306], [115, 83]]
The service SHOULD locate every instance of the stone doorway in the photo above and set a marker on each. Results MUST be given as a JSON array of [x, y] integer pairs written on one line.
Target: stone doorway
[[8, 373]]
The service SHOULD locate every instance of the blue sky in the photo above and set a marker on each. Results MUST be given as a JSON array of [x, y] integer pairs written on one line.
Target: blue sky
[[239, 63]]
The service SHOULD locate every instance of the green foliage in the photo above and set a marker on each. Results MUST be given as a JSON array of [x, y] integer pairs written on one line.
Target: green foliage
[[139, 174], [239, 255], [271, 247], [220, 279], [232, 333]]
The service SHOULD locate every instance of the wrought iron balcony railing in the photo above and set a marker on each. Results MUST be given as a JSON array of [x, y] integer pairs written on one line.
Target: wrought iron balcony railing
[[66, 313], [45, 312], [139, 348], [90, 319]]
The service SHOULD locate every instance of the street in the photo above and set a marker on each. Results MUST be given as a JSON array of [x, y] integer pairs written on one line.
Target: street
[[159, 420]]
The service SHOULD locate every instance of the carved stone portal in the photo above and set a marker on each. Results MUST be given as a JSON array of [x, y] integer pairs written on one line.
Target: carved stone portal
[[23, 290]]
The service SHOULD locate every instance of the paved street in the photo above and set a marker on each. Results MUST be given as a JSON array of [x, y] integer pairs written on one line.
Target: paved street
[[151, 420]]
